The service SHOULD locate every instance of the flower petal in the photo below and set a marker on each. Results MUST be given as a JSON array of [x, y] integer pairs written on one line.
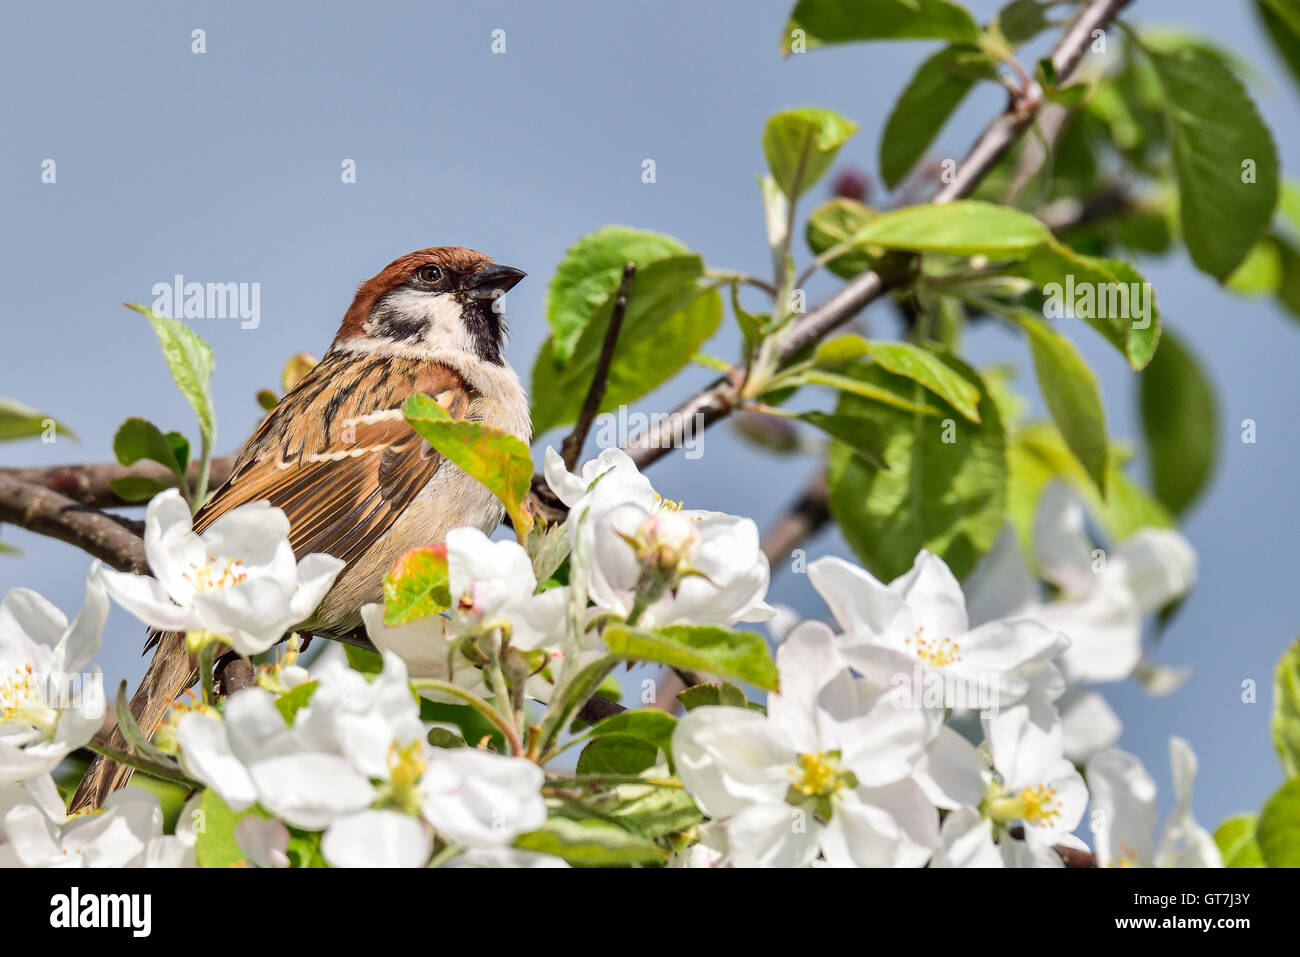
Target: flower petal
[[377, 839]]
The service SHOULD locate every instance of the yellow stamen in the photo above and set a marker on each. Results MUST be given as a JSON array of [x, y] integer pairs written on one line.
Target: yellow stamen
[[936, 652], [215, 573], [817, 775]]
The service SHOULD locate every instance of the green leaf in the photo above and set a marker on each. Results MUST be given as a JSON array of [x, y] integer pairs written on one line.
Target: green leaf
[[668, 319], [1180, 420], [1288, 292], [1286, 710], [215, 844], [180, 447], [547, 549], [1288, 205], [1260, 273], [18, 421], [496, 458], [1236, 840], [847, 381], [927, 369], [617, 754], [644, 724], [800, 146], [742, 655], [189, 360], [751, 324], [945, 488], [591, 842], [1072, 395], [925, 105], [1105, 293], [290, 704], [653, 811], [1280, 21], [417, 586], [137, 488], [1214, 130], [835, 223], [711, 695], [590, 274], [1069, 96], [964, 228], [856, 431], [1022, 20], [1278, 827], [304, 849], [816, 23], [364, 660], [138, 439]]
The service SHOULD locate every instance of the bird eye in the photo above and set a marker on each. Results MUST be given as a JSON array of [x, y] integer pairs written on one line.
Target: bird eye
[[429, 274]]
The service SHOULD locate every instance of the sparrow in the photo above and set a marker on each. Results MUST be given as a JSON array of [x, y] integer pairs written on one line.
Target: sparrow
[[353, 478]]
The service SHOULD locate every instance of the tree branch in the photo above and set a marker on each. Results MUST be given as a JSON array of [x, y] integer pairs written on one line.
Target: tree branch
[[113, 540], [717, 400], [573, 442], [92, 484]]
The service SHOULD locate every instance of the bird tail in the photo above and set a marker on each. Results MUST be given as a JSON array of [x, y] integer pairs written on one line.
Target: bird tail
[[171, 671]]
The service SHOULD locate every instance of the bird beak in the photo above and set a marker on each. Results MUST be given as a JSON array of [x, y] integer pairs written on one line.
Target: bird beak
[[493, 281]]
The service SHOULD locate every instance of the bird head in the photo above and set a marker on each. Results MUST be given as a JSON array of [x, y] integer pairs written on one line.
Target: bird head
[[441, 299]]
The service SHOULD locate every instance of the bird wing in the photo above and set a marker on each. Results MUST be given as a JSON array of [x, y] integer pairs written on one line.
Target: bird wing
[[336, 454]]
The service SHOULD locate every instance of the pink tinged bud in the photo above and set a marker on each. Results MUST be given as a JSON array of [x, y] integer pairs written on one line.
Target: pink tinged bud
[[852, 183]]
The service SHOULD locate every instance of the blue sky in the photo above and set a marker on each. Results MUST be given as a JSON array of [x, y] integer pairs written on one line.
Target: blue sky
[[225, 167]]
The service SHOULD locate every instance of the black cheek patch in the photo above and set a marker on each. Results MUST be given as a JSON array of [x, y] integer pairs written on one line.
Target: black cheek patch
[[486, 329], [398, 327]]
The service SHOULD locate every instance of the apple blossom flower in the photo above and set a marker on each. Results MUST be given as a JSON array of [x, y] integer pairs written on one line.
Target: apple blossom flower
[[914, 633], [251, 755], [1103, 596], [1019, 777], [1124, 813], [653, 561], [127, 833], [51, 699], [825, 771], [492, 587], [354, 763], [238, 579], [479, 799], [1103, 605]]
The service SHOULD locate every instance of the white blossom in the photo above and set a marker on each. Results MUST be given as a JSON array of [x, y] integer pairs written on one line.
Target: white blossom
[[51, 698], [239, 579]]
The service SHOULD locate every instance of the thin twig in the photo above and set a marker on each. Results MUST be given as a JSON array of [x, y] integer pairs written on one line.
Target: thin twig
[[574, 441]]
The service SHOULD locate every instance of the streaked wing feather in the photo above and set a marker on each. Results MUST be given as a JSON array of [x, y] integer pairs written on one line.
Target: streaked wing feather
[[344, 504]]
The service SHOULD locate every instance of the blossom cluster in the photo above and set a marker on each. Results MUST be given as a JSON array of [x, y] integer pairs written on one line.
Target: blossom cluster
[[925, 725]]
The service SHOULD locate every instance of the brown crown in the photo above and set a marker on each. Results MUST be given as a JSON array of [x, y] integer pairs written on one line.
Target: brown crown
[[397, 273]]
